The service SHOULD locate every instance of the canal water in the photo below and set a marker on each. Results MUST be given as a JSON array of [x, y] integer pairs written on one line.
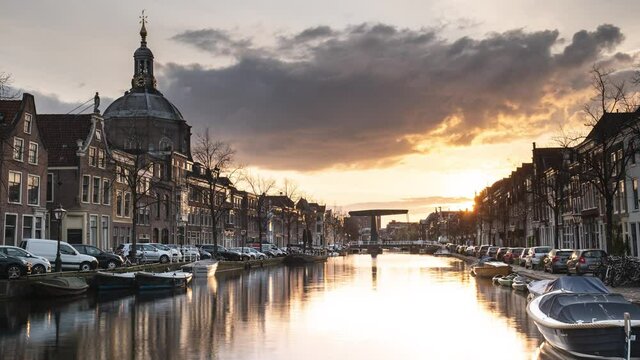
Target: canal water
[[397, 306]]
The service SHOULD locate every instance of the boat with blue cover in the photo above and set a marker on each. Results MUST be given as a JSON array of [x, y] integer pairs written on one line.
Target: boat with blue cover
[[160, 281]]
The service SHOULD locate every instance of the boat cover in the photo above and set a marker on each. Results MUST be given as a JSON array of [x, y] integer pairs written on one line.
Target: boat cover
[[578, 284], [572, 308]]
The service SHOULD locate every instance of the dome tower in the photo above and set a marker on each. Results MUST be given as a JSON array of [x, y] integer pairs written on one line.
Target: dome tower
[[143, 119]]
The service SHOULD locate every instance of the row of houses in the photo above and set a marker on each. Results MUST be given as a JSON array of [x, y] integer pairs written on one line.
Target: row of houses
[[580, 196], [129, 174]]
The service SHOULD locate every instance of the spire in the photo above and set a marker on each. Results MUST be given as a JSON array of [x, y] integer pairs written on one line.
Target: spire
[[143, 30]]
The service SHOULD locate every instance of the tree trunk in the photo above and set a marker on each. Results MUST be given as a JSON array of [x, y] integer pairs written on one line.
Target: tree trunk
[[609, 226], [556, 224]]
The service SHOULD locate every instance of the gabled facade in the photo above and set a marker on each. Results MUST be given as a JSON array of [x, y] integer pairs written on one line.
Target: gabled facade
[[23, 172]]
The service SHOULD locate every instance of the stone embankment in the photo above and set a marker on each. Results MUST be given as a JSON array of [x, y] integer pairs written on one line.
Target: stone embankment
[[631, 293]]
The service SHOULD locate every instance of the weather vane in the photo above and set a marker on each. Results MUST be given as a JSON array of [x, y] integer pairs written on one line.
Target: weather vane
[[143, 18]]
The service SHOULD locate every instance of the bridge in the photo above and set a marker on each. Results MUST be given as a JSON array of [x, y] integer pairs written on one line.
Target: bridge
[[374, 246]]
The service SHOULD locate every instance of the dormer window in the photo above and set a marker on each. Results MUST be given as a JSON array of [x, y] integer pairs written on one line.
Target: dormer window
[[28, 120], [98, 135]]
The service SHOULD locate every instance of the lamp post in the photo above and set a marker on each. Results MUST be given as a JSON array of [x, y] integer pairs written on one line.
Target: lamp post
[[59, 214]]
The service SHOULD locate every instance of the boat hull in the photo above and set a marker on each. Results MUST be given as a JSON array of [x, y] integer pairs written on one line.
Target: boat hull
[[104, 281], [490, 271], [301, 259], [202, 269], [607, 342], [55, 288], [149, 281]]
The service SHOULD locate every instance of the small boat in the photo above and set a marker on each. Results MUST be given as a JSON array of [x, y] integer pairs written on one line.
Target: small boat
[[442, 252], [587, 324], [301, 259], [114, 281], [166, 280], [520, 283], [202, 268], [60, 286], [577, 284], [489, 269], [431, 249], [537, 287], [507, 280], [495, 279]]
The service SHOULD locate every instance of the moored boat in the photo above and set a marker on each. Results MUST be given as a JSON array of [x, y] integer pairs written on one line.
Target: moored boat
[[166, 280], [520, 283], [507, 280], [60, 286], [114, 281], [490, 269], [202, 268], [586, 324], [300, 259]]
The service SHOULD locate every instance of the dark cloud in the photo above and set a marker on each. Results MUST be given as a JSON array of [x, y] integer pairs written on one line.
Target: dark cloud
[[215, 41], [367, 94]]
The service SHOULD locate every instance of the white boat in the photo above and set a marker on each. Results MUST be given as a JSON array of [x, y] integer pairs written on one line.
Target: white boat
[[166, 280], [202, 268]]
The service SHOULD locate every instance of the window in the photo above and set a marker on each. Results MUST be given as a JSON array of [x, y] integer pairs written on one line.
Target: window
[[18, 149], [33, 153], [119, 174], [33, 190], [66, 250], [127, 204], [96, 190], [93, 229], [167, 208], [15, 187], [86, 179], [28, 121], [98, 135], [106, 192], [634, 183], [27, 226], [105, 232], [37, 230], [50, 187], [10, 223], [101, 159], [119, 203], [93, 156]]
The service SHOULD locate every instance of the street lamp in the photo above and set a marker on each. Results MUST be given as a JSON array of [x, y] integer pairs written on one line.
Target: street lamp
[[59, 214]]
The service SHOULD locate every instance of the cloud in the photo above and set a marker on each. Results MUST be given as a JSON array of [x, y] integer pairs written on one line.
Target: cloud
[[418, 205], [373, 93]]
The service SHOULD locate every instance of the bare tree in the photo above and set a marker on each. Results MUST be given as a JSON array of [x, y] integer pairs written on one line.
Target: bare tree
[[291, 190], [220, 170], [6, 91], [603, 156], [134, 169], [260, 187]]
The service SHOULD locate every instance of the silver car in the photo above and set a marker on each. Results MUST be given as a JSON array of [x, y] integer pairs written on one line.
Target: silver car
[[39, 264]]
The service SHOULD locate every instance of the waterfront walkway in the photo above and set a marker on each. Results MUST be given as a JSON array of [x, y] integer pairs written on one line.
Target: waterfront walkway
[[631, 293]]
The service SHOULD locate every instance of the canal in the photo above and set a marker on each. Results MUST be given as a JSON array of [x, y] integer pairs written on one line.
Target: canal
[[397, 306]]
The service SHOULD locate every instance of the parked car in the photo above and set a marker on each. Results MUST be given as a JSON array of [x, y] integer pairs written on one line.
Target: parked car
[[175, 249], [224, 253], [278, 252], [513, 255], [13, 268], [70, 258], [145, 253], [500, 253], [535, 257], [105, 260], [174, 252], [482, 250], [246, 251], [259, 255], [522, 260], [556, 260], [492, 251], [190, 253], [39, 264], [585, 261], [470, 251]]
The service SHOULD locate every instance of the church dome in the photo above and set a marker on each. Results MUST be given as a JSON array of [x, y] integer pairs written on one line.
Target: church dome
[[142, 104]]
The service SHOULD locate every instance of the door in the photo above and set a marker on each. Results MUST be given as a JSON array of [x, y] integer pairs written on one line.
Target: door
[[74, 236], [68, 257]]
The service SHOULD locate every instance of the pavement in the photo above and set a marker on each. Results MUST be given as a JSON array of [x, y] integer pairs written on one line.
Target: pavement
[[631, 293]]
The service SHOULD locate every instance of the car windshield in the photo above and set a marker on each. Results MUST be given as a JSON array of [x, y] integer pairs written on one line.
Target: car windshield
[[542, 250], [162, 247], [564, 253]]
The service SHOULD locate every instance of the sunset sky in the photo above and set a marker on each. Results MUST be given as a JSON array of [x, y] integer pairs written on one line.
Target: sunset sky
[[400, 104]]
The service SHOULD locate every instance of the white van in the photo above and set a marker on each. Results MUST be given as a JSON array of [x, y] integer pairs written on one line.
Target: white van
[[70, 258]]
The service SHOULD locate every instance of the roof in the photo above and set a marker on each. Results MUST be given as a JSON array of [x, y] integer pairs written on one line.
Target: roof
[[282, 201], [142, 104], [60, 133], [8, 110], [611, 124]]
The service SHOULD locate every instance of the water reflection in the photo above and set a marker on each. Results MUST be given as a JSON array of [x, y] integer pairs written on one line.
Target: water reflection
[[395, 306]]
